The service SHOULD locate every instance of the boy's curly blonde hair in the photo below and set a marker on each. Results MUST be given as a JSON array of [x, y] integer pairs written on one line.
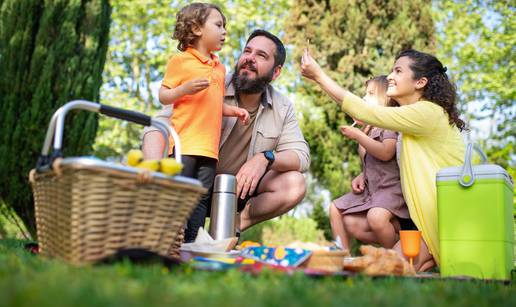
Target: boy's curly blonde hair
[[191, 16]]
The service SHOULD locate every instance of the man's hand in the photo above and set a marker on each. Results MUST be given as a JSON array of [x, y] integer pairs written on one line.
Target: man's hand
[[249, 175], [358, 184], [193, 86]]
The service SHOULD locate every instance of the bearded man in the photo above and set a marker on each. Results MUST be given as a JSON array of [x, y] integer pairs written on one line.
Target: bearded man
[[269, 153]]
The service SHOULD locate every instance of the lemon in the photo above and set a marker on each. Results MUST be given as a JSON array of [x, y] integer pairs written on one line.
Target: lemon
[[134, 157], [152, 165], [171, 167]]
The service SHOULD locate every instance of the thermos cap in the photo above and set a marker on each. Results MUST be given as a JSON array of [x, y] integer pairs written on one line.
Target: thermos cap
[[225, 183]]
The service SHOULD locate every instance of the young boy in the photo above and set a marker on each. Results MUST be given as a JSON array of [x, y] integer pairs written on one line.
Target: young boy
[[194, 85]]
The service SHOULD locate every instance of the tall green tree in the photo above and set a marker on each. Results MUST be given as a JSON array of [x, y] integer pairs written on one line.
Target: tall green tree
[[353, 41], [477, 41], [140, 46], [50, 52]]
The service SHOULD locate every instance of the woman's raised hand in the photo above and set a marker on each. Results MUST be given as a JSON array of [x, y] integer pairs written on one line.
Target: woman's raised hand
[[311, 70], [309, 67]]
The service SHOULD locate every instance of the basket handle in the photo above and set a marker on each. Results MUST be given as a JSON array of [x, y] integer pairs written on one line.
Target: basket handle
[[467, 177], [56, 127], [128, 115]]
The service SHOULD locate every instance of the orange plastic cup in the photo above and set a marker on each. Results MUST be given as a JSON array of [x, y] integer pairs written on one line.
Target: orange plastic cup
[[410, 243]]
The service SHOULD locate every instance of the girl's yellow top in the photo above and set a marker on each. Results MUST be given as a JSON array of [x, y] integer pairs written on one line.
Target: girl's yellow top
[[428, 144]]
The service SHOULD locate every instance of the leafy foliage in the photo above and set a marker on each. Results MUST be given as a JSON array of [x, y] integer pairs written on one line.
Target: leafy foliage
[[288, 229], [477, 40], [50, 53], [320, 216]]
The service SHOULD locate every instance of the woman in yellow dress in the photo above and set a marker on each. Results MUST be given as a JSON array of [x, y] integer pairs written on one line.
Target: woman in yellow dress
[[430, 125]]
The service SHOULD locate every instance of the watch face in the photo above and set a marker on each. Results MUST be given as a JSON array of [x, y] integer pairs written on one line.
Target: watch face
[[269, 155]]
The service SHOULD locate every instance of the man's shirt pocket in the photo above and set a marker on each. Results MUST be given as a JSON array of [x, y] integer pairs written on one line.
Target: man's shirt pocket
[[266, 139]]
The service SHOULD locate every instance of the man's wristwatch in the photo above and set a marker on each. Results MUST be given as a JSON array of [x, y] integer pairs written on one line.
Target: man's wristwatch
[[269, 155]]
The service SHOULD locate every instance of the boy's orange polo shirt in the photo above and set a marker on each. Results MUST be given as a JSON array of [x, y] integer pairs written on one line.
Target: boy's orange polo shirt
[[197, 118]]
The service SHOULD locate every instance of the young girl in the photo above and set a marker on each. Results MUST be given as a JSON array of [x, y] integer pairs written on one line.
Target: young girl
[[429, 121], [371, 211], [194, 85]]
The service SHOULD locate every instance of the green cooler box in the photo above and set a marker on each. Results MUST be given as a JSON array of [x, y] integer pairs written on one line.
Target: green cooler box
[[475, 209]]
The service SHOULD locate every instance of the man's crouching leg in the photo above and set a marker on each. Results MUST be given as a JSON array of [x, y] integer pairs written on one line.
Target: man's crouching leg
[[278, 192]]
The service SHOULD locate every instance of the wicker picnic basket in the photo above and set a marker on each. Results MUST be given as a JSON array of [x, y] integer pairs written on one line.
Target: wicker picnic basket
[[88, 209]]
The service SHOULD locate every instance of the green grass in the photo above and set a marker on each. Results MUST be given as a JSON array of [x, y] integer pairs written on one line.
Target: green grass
[[27, 280]]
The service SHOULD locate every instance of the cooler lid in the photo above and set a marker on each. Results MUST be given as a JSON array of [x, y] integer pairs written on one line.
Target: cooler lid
[[481, 171]]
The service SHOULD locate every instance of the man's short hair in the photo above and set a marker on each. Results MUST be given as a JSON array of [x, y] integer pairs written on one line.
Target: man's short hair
[[280, 54]]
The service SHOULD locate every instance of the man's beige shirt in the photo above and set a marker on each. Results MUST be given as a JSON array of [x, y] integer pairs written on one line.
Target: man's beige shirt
[[276, 127]]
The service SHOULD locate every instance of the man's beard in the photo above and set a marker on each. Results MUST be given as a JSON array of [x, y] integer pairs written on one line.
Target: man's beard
[[244, 85]]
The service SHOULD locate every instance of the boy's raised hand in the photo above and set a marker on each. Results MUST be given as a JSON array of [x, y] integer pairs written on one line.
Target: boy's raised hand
[[193, 86], [242, 115], [309, 67]]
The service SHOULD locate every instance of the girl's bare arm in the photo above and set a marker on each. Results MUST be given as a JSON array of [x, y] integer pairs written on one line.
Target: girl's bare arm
[[384, 150]]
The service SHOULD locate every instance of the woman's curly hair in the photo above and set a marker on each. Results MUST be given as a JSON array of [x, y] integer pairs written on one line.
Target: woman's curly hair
[[188, 18], [439, 89]]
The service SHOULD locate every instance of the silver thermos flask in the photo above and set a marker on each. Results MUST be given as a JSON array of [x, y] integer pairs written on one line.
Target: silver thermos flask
[[223, 207]]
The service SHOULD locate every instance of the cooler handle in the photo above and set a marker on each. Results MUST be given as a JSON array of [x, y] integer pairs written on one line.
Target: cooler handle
[[467, 177]]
